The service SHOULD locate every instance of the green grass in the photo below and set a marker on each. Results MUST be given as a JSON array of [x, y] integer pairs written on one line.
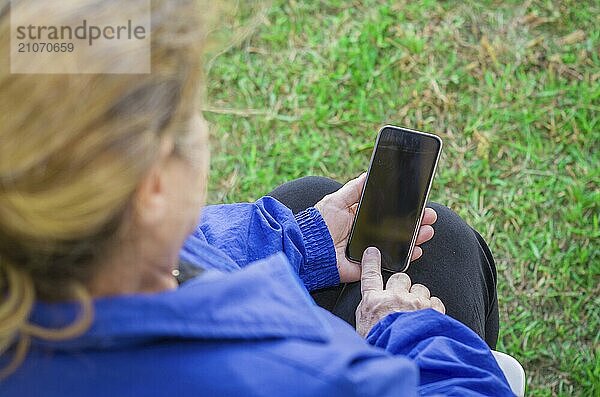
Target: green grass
[[513, 92]]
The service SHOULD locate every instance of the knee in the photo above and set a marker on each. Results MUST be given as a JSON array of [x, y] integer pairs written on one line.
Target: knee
[[450, 226], [445, 214], [320, 183], [305, 192], [316, 187]]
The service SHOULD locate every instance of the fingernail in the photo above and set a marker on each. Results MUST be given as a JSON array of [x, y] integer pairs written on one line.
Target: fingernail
[[371, 251]]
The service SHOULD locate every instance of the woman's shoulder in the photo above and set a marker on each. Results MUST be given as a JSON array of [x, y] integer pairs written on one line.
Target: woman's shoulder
[[247, 331]]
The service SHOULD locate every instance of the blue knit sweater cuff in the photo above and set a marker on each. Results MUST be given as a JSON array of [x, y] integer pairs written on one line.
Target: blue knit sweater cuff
[[320, 268]]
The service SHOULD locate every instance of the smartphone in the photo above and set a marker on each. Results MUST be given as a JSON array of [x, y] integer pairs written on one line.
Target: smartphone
[[394, 196]]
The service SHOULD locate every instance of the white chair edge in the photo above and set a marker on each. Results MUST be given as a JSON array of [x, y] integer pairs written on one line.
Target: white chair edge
[[514, 372]]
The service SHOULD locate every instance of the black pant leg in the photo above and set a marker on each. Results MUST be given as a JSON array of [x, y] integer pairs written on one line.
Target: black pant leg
[[305, 192], [458, 268], [492, 322], [457, 265]]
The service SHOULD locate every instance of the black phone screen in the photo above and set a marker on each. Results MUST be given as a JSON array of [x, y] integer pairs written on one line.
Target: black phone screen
[[394, 195]]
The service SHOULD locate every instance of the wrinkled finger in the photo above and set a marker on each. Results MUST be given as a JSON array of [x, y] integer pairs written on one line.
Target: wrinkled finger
[[425, 234], [354, 208], [420, 290], [437, 304], [416, 254], [371, 279], [349, 194], [429, 216], [398, 282]]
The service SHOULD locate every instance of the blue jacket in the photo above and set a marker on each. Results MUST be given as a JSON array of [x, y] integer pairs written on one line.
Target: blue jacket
[[248, 327]]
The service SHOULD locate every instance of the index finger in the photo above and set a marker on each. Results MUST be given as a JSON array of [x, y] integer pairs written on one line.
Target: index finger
[[371, 279], [429, 216]]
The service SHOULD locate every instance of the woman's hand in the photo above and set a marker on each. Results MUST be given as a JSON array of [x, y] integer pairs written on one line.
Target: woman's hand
[[398, 296], [338, 210]]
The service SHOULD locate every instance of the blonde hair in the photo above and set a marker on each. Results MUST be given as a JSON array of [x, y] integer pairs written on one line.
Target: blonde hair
[[73, 149]]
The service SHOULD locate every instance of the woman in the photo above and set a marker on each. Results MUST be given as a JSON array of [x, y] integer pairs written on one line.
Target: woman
[[102, 178]]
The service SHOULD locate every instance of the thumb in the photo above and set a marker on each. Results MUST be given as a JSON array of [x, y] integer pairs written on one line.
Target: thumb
[[349, 194]]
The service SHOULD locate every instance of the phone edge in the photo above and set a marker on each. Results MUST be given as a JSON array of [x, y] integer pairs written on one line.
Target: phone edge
[[418, 225]]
